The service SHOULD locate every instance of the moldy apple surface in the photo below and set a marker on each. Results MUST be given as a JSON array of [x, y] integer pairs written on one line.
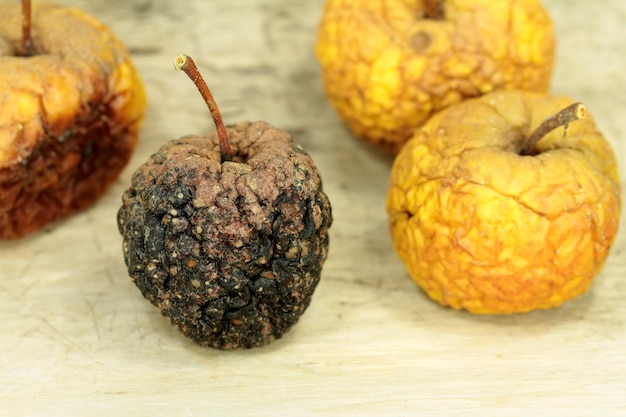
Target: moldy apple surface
[[387, 68], [70, 115], [481, 227], [230, 252]]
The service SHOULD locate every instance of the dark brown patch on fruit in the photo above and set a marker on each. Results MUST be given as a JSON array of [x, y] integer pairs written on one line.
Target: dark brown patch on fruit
[[420, 42], [230, 252], [62, 173]]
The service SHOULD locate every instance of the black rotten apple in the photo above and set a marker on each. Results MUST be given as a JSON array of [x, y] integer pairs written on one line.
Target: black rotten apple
[[227, 233]]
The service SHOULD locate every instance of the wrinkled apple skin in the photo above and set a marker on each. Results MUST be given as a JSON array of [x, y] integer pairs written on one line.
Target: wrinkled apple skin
[[386, 69], [482, 228], [70, 118]]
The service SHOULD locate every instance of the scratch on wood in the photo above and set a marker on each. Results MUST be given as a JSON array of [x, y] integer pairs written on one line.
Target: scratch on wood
[[58, 337], [61, 338], [90, 305]]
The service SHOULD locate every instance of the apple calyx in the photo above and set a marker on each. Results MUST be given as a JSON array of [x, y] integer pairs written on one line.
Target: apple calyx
[[188, 66], [575, 111], [26, 25], [433, 9]]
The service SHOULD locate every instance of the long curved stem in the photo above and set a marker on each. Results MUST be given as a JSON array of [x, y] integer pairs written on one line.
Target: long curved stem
[[188, 66]]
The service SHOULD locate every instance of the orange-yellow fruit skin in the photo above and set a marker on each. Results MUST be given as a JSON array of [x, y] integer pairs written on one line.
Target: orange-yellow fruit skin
[[48, 90], [78, 82], [481, 228], [386, 69]]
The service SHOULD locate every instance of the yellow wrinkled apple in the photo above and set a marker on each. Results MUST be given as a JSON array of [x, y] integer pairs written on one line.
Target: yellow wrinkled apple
[[494, 213], [388, 65], [72, 104]]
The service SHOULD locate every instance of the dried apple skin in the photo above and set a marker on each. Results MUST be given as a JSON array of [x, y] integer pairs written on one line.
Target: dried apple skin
[[230, 252], [386, 68], [71, 114], [482, 228]]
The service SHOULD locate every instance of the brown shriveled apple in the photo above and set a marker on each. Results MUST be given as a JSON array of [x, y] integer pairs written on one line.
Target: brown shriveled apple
[[227, 233]]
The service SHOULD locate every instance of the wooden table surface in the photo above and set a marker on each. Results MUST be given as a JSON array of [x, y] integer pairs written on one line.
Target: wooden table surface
[[77, 338]]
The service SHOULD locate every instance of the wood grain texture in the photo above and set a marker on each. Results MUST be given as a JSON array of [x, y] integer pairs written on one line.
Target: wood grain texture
[[77, 338]]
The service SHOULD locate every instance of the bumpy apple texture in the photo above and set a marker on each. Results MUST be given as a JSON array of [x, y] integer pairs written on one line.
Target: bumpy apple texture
[[482, 228], [387, 67], [70, 115], [230, 252]]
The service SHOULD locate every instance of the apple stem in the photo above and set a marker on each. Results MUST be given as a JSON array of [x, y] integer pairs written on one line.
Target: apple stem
[[185, 63], [26, 23], [433, 9], [569, 114]]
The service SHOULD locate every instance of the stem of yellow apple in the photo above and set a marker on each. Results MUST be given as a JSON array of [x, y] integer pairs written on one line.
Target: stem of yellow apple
[[569, 114], [433, 9], [26, 24], [188, 66]]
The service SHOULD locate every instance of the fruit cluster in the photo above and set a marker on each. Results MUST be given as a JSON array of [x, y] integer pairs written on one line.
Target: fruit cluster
[[226, 234], [502, 199]]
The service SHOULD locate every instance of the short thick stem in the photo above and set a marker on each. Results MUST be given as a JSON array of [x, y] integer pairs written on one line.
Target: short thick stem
[[433, 9], [188, 66], [569, 114], [26, 28]]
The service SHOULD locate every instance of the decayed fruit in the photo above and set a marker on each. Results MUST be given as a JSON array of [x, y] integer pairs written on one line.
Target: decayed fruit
[[227, 233], [72, 104], [492, 218], [388, 65]]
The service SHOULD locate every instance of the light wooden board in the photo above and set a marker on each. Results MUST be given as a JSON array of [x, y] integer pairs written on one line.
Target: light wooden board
[[77, 338]]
